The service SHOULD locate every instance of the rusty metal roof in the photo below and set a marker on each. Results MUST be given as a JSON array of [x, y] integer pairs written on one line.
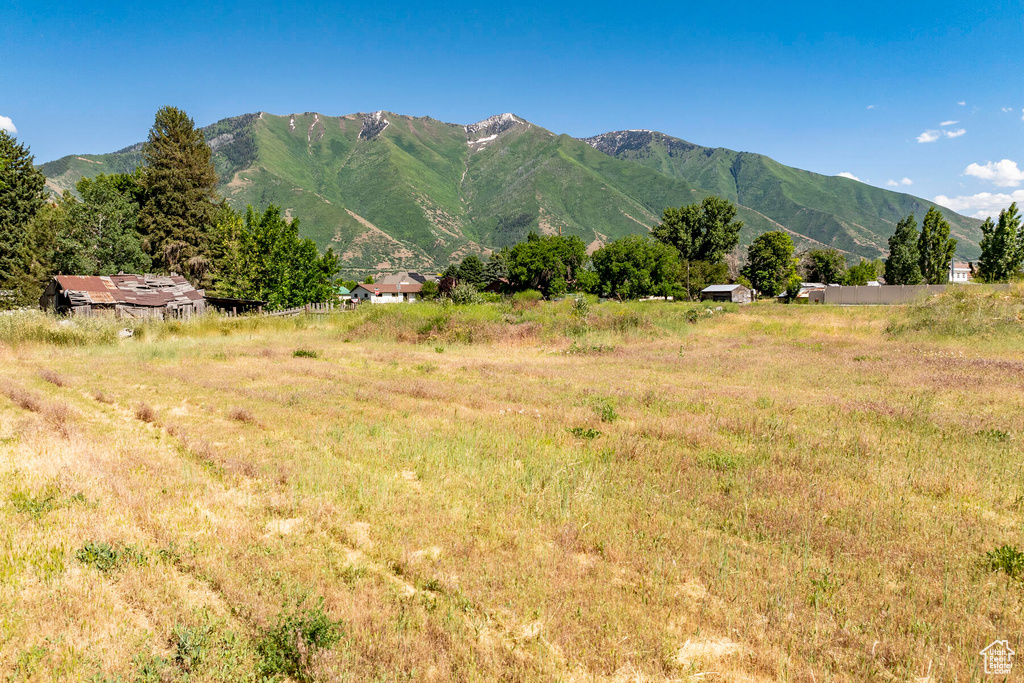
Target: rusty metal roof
[[134, 290]]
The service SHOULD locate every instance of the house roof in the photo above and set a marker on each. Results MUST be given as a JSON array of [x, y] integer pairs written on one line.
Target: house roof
[[387, 288], [134, 290], [397, 278], [721, 288]]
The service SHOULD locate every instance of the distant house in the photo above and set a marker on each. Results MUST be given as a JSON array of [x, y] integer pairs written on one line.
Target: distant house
[[382, 293], [737, 294], [960, 272], [403, 277], [123, 296], [344, 293], [499, 286]]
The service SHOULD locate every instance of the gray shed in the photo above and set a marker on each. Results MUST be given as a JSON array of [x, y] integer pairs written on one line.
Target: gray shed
[[737, 294]]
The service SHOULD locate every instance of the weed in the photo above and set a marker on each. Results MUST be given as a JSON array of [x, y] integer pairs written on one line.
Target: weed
[[305, 353], [101, 397], [144, 413], [289, 647], [584, 432], [53, 378], [438, 349], [426, 368], [605, 410], [720, 462], [823, 589], [239, 414], [1006, 559], [22, 397], [189, 644], [994, 435], [36, 506], [99, 554], [581, 307]]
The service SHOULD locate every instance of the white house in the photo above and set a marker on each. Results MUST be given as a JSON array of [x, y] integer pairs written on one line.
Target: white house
[[959, 272], [387, 293]]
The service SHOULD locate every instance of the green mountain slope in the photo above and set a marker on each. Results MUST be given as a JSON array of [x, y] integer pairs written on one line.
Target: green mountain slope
[[390, 191], [843, 213]]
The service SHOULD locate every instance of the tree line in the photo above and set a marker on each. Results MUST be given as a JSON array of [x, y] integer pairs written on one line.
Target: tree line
[[166, 216]]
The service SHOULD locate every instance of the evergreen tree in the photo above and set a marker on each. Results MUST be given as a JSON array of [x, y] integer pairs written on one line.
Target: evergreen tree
[[21, 196], [770, 263], [471, 271], [903, 267], [1001, 247], [935, 247], [179, 182], [497, 266]]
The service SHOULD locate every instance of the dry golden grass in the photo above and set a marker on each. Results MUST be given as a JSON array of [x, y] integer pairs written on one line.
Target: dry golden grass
[[781, 493]]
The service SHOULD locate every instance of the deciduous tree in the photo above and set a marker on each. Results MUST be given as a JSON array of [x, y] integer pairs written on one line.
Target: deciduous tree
[[826, 266], [903, 267], [935, 247], [636, 266], [770, 263], [1002, 246], [548, 264]]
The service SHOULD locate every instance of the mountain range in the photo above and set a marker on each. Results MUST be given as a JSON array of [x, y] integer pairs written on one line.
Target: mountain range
[[389, 191]]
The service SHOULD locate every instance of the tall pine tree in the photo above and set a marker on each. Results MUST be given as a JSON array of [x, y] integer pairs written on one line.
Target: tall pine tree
[[936, 248], [21, 197], [903, 267], [179, 182], [1001, 247]]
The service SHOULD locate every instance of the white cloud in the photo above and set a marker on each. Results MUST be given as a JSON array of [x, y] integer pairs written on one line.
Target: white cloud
[[962, 102], [906, 181], [1003, 173], [891, 183], [897, 183], [1007, 110], [983, 204], [872, 106], [948, 123], [1022, 117], [954, 133], [847, 174], [929, 136], [7, 124]]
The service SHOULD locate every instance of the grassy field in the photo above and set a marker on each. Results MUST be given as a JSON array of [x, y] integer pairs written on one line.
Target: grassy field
[[623, 493]]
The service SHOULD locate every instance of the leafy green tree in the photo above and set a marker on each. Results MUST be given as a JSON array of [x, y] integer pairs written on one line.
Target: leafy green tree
[[1002, 246], [770, 263], [636, 266], [696, 275], [21, 196], [270, 262], [179, 180], [98, 235], [862, 273], [935, 247], [548, 264], [349, 284], [430, 290], [368, 280], [826, 266], [471, 271], [903, 267], [703, 231]]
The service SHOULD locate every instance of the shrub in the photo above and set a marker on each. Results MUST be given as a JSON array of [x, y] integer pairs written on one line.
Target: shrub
[[305, 353], [22, 397], [527, 298], [580, 307], [465, 293], [100, 555], [289, 648]]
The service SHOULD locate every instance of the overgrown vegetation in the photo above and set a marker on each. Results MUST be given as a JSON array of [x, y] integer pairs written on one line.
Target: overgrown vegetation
[[963, 312], [290, 646]]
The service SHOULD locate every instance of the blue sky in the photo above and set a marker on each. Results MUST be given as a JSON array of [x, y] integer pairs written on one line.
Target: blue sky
[[928, 97]]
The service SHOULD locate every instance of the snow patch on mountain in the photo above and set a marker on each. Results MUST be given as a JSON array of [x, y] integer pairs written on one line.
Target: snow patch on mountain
[[373, 125], [494, 125]]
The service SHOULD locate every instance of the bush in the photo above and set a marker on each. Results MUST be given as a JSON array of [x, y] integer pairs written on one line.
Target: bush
[[526, 298], [963, 311], [289, 648], [305, 353], [145, 413], [465, 293]]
